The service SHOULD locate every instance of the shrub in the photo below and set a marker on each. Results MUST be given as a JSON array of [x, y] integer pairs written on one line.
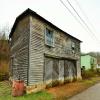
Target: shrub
[[4, 76], [55, 83], [49, 85], [86, 74], [98, 70]]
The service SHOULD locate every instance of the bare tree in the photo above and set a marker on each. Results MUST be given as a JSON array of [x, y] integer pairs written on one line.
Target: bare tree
[[4, 31]]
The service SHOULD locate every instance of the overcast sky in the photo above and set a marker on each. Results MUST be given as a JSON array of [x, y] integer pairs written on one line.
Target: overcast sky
[[55, 12]]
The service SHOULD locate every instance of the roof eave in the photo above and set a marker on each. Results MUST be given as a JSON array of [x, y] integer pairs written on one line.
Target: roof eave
[[30, 12]]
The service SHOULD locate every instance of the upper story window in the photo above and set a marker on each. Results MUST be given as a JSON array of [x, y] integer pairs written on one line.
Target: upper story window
[[49, 38], [73, 46]]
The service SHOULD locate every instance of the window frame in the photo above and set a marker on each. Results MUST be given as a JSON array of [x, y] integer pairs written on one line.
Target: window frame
[[73, 47], [46, 43]]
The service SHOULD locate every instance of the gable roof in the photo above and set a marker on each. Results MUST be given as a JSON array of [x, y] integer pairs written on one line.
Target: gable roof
[[32, 13]]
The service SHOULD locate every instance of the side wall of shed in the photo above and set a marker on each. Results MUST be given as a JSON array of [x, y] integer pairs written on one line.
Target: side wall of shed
[[19, 51], [36, 52]]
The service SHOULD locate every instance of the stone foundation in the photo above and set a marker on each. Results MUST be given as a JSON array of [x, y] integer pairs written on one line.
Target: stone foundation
[[41, 86], [79, 78], [35, 88]]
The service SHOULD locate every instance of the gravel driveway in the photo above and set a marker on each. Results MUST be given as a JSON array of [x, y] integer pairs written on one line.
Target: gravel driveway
[[92, 93]]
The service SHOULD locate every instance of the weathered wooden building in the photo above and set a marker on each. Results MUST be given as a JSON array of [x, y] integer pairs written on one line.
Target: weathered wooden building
[[42, 53]]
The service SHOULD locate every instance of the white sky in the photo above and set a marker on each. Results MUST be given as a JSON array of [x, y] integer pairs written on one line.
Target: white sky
[[55, 12]]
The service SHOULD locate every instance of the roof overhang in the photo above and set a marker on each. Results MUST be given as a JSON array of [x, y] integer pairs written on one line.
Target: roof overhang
[[32, 13]]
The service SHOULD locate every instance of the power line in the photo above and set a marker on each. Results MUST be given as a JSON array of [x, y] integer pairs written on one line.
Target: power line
[[73, 15], [84, 14], [79, 16], [90, 31]]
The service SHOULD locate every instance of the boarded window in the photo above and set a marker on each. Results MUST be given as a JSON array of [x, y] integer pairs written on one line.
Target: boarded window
[[61, 70], [69, 70], [55, 74], [51, 69], [66, 72], [48, 69]]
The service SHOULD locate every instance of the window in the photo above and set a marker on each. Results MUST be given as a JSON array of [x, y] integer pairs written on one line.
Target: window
[[73, 47], [49, 39]]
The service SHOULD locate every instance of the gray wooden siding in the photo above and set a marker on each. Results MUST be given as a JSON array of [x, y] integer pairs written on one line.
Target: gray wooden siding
[[33, 61], [63, 46], [62, 43], [20, 50], [62, 49], [36, 52]]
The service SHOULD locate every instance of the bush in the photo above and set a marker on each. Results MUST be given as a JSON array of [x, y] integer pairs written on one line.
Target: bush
[[86, 74], [49, 85], [4, 76], [55, 83], [98, 70]]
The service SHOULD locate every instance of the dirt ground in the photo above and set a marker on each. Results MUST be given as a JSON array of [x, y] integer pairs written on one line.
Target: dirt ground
[[69, 89]]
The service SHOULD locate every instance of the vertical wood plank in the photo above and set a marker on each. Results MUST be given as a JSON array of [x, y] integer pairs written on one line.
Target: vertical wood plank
[[48, 70], [61, 71]]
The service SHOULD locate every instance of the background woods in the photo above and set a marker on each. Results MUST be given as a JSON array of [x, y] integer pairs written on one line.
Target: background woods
[[4, 54]]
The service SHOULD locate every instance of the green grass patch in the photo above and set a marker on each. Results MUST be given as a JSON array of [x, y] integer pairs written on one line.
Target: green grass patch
[[34, 96], [5, 94]]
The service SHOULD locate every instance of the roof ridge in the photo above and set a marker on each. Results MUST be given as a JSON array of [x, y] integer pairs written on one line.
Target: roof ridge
[[28, 11]]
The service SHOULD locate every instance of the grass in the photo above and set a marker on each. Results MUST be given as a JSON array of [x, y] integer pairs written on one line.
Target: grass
[[5, 94], [61, 92], [37, 96]]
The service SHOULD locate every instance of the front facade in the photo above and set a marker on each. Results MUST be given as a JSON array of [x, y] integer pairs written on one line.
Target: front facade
[[88, 62], [41, 53]]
